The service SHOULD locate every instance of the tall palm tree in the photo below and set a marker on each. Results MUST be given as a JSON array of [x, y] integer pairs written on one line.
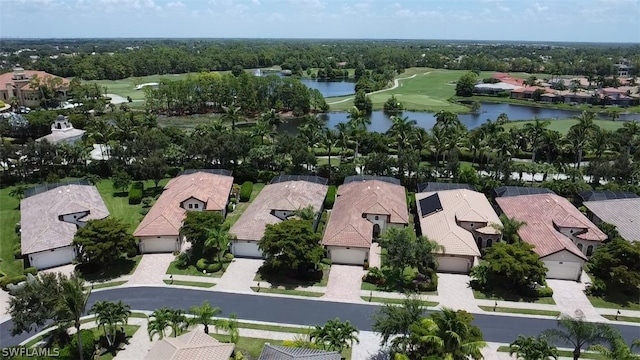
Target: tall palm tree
[[618, 350], [177, 321], [204, 315], [158, 322], [73, 304], [344, 135], [261, 129], [230, 325], [535, 132], [578, 138], [601, 142], [218, 238], [578, 333], [402, 130], [358, 122], [232, 115], [329, 140], [335, 335], [531, 348], [509, 228], [109, 315]]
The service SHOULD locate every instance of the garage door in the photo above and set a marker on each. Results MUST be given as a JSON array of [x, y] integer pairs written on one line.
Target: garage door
[[348, 256], [57, 257], [563, 270], [453, 264], [158, 245], [246, 249]]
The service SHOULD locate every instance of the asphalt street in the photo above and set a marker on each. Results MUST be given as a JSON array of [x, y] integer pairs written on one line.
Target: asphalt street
[[495, 328]]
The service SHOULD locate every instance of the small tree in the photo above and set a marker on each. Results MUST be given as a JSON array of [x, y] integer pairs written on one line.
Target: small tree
[[392, 320], [615, 265], [109, 315], [466, 84], [196, 225], [102, 242], [204, 315], [362, 102], [121, 181], [578, 333], [291, 246], [532, 348], [335, 335]]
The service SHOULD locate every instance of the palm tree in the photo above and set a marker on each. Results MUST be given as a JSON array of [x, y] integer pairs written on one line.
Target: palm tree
[[109, 315], [328, 140], [204, 315], [358, 122], [531, 348], [601, 142], [306, 213], [177, 321], [73, 304], [426, 254], [158, 322], [578, 333], [231, 114], [618, 350], [447, 334], [18, 191], [509, 228], [230, 325], [535, 132], [218, 238], [344, 136], [578, 139], [261, 129], [402, 131], [335, 335]]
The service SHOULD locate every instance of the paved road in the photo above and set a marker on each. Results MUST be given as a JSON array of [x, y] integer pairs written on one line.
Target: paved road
[[502, 329]]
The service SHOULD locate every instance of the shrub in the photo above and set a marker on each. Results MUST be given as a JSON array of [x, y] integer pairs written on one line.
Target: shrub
[[147, 201], [30, 270], [144, 211], [182, 261], [229, 208], [132, 252], [201, 264], [331, 197], [135, 193], [544, 291], [245, 191], [88, 344], [11, 280], [228, 257], [214, 267], [326, 261], [17, 251], [597, 287], [374, 276]]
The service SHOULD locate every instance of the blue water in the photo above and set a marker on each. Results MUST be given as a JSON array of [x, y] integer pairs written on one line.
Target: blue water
[[331, 88]]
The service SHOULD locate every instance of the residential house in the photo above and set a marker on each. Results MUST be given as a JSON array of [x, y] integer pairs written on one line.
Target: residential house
[[562, 236], [618, 208], [16, 86], [275, 352], [506, 191], [460, 220], [192, 345], [624, 70], [613, 96], [494, 89], [62, 131], [439, 186], [191, 190], [275, 203], [365, 206], [528, 92], [50, 215]]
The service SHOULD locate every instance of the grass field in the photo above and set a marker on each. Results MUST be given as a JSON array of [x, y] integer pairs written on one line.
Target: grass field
[[9, 216], [623, 304], [622, 318], [189, 283], [127, 87], [520, 311], [395, 301], [504, 296], [242, 206], [286, 291], [563, 125]]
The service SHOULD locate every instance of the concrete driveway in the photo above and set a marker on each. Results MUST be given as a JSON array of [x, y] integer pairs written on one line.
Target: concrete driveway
[[239, 275], [454, 292], [344, 283], [571, 299], [151, 269]]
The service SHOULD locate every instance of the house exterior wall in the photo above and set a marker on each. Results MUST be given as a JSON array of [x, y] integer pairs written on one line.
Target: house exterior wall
[[54, 257], [586, 246], [193, 205], [482, 239], [381, 220], [469, 226], [159, 244]]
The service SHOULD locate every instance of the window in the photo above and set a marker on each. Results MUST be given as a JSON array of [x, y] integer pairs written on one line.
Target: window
[[480, 242], [196, 205], [489, 242], [190, 206], [580, 246], [376, 217], [589, 250]]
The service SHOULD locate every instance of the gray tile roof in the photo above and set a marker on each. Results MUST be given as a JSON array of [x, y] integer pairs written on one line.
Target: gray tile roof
[[190, 346], [273, 352], [39, 216], [623, 213]]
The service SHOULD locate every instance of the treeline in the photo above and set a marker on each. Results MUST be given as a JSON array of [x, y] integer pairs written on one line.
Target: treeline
[[117, 59], [245, 93]]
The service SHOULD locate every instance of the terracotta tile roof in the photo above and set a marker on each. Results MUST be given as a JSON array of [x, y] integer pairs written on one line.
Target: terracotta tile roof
[[347, 227], [166, 216], [41, 228], [7, 78], [457, 205], [273, 352], [543, 213], [623, 213], [288, 196], [192, 345]]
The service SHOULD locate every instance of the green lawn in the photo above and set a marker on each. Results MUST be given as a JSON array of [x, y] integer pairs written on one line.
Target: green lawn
[[335, 161], [242, 206], [567, 354], [129, 330], [9, 216], [395, 301], [504, 296], [520, 311], [622, 318], [253, 346], [191, 270], [189, 283], [563, 125], [286, 291], [276, 328], [127, 87], [107, 285], [608, 303]]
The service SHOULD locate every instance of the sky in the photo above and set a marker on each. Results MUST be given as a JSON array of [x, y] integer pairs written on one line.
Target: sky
[[513, 20]]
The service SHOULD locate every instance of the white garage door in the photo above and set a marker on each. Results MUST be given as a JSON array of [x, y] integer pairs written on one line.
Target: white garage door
[[158, 245], [453, 264], [57, 257], [563, 270], [246, 249], [348, 256]]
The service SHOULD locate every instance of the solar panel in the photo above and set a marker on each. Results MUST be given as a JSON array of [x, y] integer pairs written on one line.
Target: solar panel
[[46, 187], [601, 195], [430, 205], [439, 186], [312, 179], [224, 172], [388, 179], [506, 191]]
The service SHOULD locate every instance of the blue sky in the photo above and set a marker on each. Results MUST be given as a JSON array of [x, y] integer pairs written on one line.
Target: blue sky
[[531, 20]]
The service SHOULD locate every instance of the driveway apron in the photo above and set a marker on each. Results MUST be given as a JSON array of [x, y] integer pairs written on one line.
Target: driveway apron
[[151, 269], [239, 275], [344, 283]]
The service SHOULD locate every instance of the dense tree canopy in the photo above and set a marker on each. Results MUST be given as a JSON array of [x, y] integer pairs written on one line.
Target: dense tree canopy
[[291, 246], [616, 267], [101, 242]]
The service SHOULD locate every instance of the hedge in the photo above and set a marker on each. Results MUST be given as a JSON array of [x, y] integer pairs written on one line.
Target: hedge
[[330, 199], [135, 193], [30, 270], [245, 191], [11, 280], [214, 267], [228, 257], [201, 264]]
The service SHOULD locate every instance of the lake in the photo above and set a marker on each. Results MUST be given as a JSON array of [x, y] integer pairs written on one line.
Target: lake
[[331, 88]]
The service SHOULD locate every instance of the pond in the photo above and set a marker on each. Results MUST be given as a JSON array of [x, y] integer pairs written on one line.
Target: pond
[[331, 88], [381, 122]]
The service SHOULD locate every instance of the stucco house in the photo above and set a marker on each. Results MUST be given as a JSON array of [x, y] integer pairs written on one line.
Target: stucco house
[[274, 204], [62, 131], [191, 190], [276, 352], [50, 215], [460, 220], [563, 237], [364, 207], [16, 86], [618, 208], [193, 345]]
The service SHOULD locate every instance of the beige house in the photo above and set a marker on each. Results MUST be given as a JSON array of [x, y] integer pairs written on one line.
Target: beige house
[[623, 213], [460, 220], [362, 210], [62, 131], [192, 345], [275, 203], [563, 237], [49, 221], [17, 85], [200, 190]]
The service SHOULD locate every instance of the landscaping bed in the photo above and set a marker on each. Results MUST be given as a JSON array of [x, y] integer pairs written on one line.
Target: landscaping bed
[[396, 301], [509, 310], [284, 291], [288, 282], [121, 267], [189, 283], [503, 295]]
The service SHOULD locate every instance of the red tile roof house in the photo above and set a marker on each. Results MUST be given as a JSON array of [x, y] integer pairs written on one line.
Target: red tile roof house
[[16, 84], [159, 231], [49, 221], [363, 209], [563, 237], [275, 203]]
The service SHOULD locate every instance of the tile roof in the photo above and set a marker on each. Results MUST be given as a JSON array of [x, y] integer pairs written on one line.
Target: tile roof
[[192, 345], [623, 213], [273, 352], [347, 227], [166, 216], [7, 78], [457, 205], [543, 213], [70, 135], [41, 228], [289, 196]]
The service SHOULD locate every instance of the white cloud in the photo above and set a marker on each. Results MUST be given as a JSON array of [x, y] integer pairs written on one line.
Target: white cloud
[[540, 8], [175, 5]]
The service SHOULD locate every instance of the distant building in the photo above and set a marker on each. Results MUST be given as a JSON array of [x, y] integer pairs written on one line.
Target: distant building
[[62, 131], [624, 70], [17, 85]]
